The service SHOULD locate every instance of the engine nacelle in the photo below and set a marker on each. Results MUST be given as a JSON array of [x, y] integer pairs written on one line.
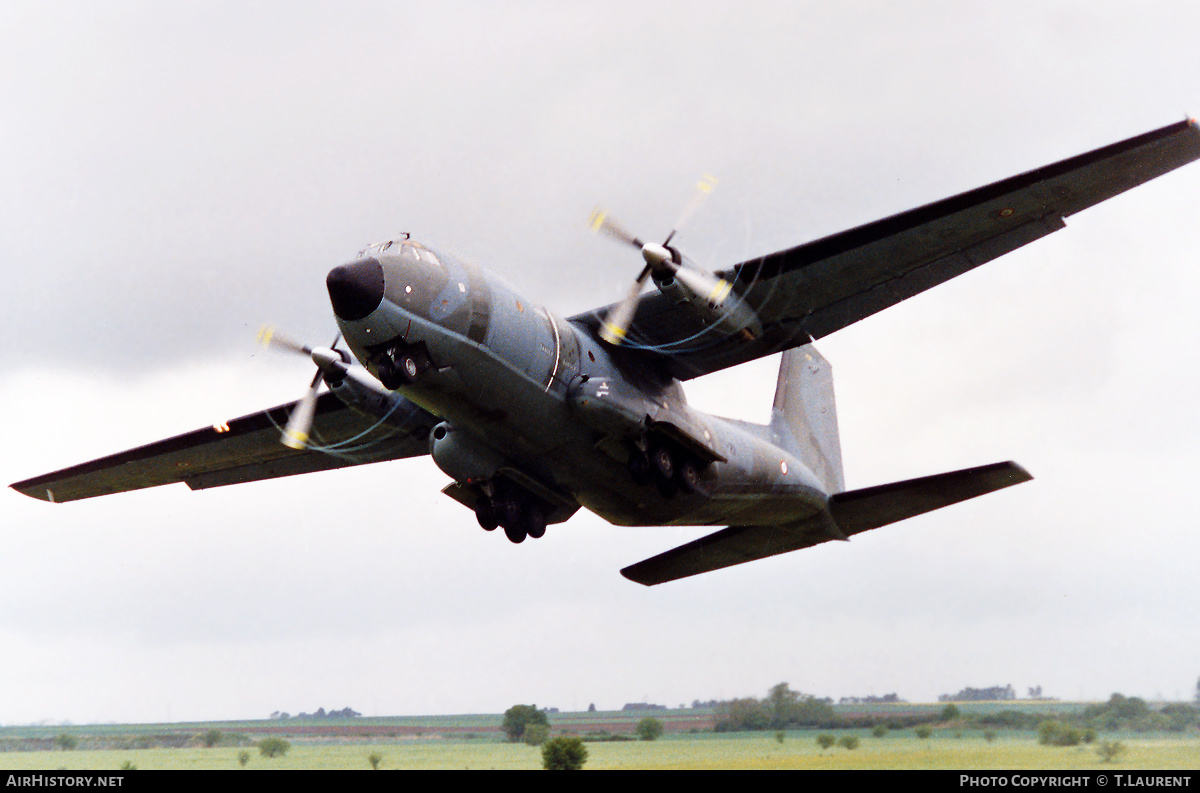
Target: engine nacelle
[[713, 299], [364, 395], [462, 457]]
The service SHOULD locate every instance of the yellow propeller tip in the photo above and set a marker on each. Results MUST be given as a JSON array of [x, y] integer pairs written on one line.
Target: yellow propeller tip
[[295, 440], [612, 334]]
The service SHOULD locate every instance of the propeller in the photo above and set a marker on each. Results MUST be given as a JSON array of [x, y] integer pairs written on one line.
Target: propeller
[[331, 365], [662, 261]]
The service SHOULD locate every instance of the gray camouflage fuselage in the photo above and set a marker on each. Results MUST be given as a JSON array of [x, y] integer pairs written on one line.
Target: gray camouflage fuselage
[[533, 398]]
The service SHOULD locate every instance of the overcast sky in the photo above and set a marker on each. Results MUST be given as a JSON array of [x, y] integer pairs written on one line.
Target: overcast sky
[[176, 174]]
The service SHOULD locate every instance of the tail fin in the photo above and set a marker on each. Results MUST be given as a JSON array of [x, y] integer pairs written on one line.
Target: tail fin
[[805, 415]]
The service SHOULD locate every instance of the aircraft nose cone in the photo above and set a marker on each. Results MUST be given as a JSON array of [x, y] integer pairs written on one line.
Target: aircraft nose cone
[[355, 289]]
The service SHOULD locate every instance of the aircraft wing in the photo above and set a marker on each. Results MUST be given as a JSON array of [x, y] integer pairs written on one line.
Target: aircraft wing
[[246, 449], [812, 290]]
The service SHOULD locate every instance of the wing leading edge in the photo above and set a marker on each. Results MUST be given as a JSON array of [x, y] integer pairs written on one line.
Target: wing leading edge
[[812, 290], [246, 449]]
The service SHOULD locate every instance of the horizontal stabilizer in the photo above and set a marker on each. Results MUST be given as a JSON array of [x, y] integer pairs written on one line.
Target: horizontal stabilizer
[[857, 511], [727, 547], [848, 513]]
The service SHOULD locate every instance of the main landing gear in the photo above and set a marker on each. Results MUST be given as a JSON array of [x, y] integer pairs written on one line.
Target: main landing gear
[[668, 468], [521, 515]]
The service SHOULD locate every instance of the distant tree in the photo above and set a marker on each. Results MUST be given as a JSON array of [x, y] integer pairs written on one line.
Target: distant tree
[[825, 740], [879, 730], [950, 713], [779, 736], [989, 694], [566, 753], [536, 734], [66, 741], [649, 728], [1180, 716], [1109, 751], [782, 708], [592, 707], [924, 731], [518, 717], [848, 741], [128, 766], [243, 758], [989, 735], [1035, 692], [1124, 713], [782, 702], [273, 747], [1196, 696], [1056, 733], [211, 738], [742, 714], [792, 708], [375, 759], [871, 699]]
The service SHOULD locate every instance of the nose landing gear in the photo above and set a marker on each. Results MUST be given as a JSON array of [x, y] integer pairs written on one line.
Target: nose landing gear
[[401, 364]]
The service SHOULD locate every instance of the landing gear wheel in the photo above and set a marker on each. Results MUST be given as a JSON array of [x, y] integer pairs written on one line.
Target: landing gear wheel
[[515, 533], [485, 513], [508, 514], [389, 375], [689, 477], [662, 463], [535, 521], [401, 365], [410, 366], [639, 469]]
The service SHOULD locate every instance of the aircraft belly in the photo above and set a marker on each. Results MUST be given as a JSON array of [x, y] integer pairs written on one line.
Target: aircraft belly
[[628, 505]]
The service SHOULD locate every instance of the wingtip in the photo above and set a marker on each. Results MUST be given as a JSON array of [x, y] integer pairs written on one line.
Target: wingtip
[[45, 494], [631, 573], [1019, 474]]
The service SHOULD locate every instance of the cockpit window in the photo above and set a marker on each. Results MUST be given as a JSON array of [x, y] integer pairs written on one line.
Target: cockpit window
[[420, 254], [380, 247]]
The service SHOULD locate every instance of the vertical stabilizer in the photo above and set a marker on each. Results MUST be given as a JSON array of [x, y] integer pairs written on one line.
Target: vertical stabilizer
[[805, 415]]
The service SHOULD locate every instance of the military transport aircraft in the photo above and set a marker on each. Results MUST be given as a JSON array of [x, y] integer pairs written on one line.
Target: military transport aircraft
[[534, 415]]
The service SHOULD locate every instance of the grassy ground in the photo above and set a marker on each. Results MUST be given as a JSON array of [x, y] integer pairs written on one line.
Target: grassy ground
[[898, 750]]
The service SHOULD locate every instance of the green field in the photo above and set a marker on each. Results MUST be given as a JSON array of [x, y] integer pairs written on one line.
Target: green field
[[901, 749]]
